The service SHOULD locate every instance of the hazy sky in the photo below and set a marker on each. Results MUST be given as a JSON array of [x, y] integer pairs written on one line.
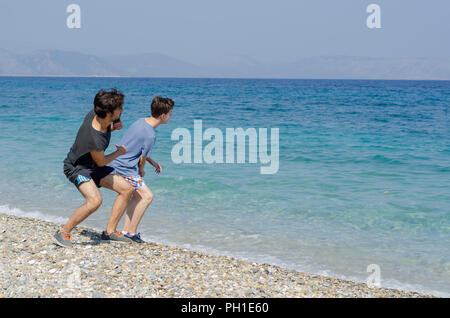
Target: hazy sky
[[205, 30]]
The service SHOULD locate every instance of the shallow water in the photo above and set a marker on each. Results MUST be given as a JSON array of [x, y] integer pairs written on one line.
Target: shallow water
[[364, 170]]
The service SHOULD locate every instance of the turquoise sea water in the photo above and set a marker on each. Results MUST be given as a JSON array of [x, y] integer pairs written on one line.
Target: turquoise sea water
[[364, 170]]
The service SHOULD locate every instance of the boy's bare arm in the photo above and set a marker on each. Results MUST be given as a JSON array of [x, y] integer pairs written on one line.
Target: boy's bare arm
[[141, 166], [154, 164], [101, 160]]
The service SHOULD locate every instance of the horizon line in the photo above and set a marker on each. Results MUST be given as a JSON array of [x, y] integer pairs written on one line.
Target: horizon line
[[231, 78]]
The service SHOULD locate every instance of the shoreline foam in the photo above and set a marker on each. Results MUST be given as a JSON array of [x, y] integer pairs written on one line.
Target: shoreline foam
[[33, 266]]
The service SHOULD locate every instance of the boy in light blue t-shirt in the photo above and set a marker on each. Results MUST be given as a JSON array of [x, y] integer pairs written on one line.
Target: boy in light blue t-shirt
[[139, 140]]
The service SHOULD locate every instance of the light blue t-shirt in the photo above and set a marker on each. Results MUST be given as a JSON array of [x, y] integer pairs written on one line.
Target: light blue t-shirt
[[139, 140]]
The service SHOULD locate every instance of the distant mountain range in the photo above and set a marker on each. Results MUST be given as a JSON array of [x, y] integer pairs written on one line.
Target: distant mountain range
[[64, 63]]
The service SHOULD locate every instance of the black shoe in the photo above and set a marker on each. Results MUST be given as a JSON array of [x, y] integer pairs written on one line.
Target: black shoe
[[135, 237]]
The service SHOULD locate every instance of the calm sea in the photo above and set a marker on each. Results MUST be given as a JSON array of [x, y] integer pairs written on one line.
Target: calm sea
[[364, 170]]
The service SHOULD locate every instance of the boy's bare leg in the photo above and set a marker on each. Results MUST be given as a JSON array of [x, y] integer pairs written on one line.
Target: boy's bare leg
[[139, 202], [124, 190], [130, 211], [93, 201]]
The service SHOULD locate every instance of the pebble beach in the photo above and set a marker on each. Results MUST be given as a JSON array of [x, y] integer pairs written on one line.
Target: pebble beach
[[31, 265]]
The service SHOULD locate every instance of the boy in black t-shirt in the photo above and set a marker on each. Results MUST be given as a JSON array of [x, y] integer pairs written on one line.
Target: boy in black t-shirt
[[85, 166]]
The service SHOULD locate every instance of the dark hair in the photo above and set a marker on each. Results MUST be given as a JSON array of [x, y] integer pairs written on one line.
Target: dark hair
[[107, 102], [161, 105]]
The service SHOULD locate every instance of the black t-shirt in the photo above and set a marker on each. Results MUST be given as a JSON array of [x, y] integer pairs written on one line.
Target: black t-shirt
[[79, 160]]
